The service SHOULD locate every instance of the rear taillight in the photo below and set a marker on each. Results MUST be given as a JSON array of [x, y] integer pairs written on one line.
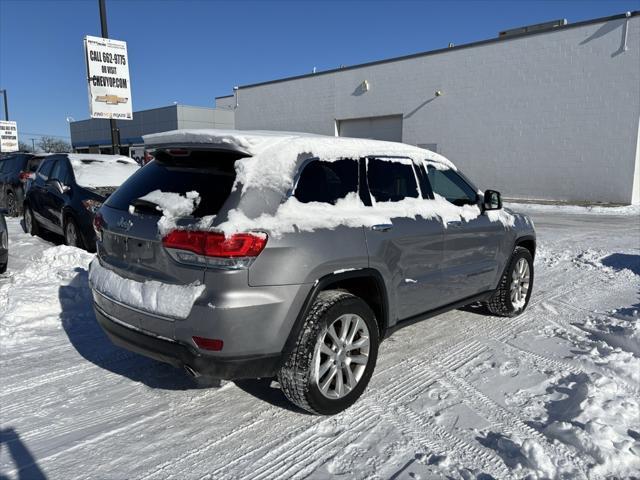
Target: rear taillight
[[234, 251], [214, 244], [98, 225], [24, 176], [92, 205]]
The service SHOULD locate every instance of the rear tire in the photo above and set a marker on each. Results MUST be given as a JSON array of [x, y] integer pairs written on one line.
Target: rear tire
[[3, 268], [514, 290], [30, 224], [334, 356]]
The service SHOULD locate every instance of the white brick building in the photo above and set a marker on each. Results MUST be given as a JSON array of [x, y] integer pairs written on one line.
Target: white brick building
[[551, 114]]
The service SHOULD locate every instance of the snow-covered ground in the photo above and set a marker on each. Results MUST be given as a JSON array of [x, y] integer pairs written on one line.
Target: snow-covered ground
[[553, 393]]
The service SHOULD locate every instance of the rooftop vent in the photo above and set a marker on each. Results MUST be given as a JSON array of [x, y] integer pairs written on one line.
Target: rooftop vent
[[538, 27]]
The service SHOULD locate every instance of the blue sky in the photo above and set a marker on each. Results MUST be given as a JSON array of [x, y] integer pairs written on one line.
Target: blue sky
[[192, 51]]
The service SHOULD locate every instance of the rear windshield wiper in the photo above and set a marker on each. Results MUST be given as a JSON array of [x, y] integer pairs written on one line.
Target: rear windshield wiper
[[145, 206]]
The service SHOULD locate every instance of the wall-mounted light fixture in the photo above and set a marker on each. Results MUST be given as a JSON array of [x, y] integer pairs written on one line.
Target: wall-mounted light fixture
[[438, 93], [364, 86]]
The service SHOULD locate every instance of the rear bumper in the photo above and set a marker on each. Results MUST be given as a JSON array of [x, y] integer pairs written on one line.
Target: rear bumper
[[182, 356]]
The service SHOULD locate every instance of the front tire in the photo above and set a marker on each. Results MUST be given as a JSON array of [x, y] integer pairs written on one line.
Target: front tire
[[72, 236], [334, 356], [30, 224], [514, 291]]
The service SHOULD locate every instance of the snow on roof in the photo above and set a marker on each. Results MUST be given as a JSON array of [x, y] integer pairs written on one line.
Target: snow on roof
[[276, 156], [269, 170], [257, 142], [96, 170]]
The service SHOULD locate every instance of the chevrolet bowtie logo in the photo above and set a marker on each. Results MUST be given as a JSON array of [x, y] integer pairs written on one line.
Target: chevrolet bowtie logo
[[111, 99]]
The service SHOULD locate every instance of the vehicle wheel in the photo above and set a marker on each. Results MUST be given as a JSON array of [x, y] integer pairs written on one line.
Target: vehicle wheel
[[30, 224], [513, 293], [12, 205], [72, 235], [3, 268], [334, 356]]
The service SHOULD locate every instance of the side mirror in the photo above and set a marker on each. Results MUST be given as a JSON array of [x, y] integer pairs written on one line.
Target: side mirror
[[492, 200]]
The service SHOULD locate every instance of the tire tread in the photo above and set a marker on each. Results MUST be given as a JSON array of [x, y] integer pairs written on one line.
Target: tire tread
[[293, 376], [498, 303]]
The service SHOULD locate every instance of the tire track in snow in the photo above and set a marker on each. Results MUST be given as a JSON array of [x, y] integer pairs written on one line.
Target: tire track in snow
[[452, 353], [316, 453], [489, 328], [426, 433], [510, 422]]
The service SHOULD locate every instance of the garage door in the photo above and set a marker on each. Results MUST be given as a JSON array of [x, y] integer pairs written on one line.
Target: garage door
[[380, 128]]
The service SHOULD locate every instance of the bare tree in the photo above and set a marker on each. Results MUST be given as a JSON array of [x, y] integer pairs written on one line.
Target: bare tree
[[23, 147], [53, 145]]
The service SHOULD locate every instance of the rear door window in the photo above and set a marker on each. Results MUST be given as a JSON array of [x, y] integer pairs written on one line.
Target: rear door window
[[327, 182], [45, 168], [33, 164], [209, 173], [391, 181], [450, 185], [60, 171]]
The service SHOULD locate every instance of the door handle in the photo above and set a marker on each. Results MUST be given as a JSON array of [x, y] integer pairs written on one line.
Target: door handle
[[454, 224], [383, 227]]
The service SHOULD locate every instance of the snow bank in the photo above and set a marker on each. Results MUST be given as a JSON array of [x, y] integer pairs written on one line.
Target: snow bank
[[31, 299], [101, 170], [163, 299], [596, 418], [631, 210]]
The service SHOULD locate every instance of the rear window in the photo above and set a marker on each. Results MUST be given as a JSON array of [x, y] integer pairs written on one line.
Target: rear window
[[391, 181], [327, 182], [13, 164], [211, 174]]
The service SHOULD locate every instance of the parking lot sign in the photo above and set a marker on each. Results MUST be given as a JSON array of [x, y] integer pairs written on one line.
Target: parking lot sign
[[108, 78], [8, 137]]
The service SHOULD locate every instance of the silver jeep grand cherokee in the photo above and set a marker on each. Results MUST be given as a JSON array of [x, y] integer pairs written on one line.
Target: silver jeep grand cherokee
[[299, 255]]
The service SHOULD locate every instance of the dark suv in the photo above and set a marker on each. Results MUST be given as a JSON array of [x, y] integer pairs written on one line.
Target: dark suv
[[15, 171], [68, 189], [255, 254]]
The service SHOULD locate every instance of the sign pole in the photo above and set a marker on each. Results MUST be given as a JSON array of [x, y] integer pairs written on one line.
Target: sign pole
[[6, 107], [115, 148]]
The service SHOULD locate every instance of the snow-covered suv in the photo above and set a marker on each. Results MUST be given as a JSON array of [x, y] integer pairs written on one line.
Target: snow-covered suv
[[258, 254]]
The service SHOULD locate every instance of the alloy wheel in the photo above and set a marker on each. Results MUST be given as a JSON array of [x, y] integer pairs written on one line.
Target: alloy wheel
[[341, 356], [520, 280], [11, 205]]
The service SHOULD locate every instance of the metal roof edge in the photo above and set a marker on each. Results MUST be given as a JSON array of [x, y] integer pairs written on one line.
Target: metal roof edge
[[442, 50]]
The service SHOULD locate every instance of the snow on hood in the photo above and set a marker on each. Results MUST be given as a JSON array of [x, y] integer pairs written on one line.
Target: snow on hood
[[101, 170]]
